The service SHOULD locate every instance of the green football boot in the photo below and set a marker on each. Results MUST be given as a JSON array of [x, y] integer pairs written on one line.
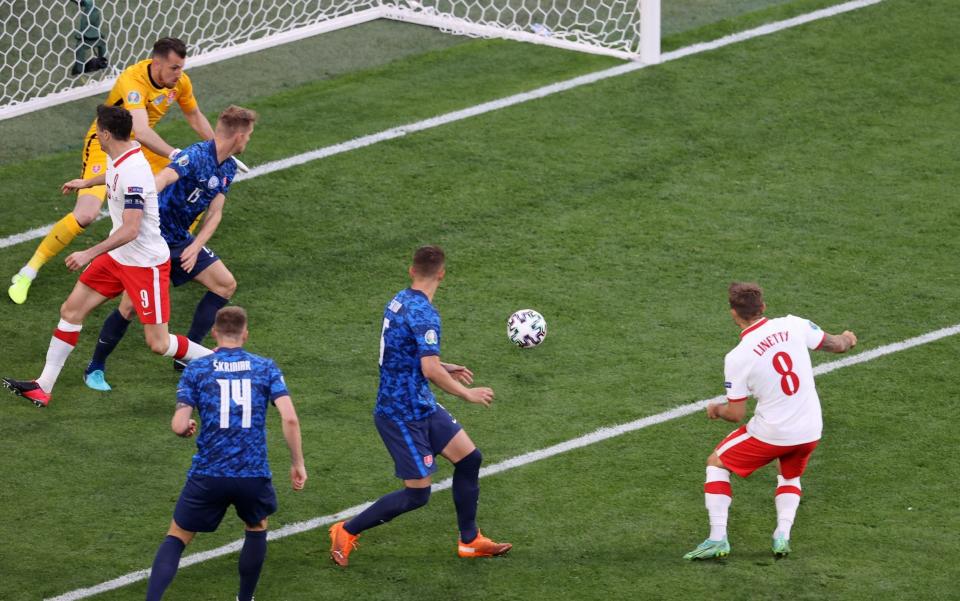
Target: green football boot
[[710, 549], [781, 547], [18, 291]]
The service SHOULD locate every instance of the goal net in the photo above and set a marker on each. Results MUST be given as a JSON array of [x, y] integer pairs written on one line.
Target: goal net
[[60, 50]]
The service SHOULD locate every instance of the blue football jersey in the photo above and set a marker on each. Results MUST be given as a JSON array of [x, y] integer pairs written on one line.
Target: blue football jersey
[[231, 390], [411, 330], [201, 179]]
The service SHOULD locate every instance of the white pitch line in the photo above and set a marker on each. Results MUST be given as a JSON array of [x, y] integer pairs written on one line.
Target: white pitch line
[[37, 232], [508, 464], [494, 105]]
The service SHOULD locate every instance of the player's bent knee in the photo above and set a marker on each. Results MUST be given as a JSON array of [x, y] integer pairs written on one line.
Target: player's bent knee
[[126, 308], [229, 288], [416, 497], [473, 460], [185, 536], [69, 313], [262, 525], [86, 210]]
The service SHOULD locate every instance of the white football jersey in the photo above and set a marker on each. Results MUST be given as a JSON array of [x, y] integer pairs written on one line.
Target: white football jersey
[[130, 184], [772, 364]]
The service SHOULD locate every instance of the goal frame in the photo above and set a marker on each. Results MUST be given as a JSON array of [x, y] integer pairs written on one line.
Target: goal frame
[[649, 51]]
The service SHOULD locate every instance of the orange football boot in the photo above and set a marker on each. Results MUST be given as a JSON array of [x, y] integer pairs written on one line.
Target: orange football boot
[[482, 547], [341, 544]]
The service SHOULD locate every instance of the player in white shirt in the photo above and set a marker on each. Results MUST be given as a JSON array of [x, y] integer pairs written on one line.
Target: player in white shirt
[[772, 364], [134, 258]]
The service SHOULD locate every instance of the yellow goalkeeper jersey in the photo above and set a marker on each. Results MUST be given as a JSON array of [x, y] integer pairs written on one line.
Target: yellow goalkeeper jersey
[[135, 89]]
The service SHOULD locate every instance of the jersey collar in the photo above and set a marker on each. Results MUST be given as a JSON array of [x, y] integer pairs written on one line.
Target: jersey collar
[[421, 293], [231, 349], [125, 155], [150, 77], [753, 327]]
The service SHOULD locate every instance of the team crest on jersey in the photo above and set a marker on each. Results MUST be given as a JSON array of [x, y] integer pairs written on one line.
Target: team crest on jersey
[[133, 97], [428, 460], [813, 326], [97, 168], [184, 160], [430, 337], [213, 182]]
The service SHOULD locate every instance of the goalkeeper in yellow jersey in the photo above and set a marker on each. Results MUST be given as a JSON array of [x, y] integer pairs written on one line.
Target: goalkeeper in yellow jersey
[[146, 89]]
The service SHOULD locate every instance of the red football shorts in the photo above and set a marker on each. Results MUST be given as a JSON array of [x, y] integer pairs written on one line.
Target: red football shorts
[[743, 454], [148, 287]]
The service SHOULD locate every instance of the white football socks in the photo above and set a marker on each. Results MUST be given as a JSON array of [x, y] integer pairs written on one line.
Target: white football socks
[[787, 501], [193, 349], [717, 503], [60, 348]]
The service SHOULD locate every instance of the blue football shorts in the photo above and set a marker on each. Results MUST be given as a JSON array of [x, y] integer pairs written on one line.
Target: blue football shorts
[[415, 445], [205, 499], [179, 277]]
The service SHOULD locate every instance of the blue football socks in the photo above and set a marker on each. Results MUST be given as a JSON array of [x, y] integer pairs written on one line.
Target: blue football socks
[[165, 566], [252, 555], [114, 327], [466, 494], [205, 315], [388, 507]]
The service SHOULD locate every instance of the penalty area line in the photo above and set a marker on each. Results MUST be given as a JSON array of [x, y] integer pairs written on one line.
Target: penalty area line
[[494, 105], [594, 437]]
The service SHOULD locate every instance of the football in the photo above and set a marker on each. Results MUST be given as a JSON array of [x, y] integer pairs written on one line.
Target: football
[[526, 328]]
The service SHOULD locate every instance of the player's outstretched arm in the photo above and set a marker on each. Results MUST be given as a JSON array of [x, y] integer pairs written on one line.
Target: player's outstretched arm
[[79, 184], [166, 177], [146, 136], [291, 432], [124, 234], [435, 371], [838, 343], [459, 372], [199, 123], [211, 220], [731, 412], [182, 424]]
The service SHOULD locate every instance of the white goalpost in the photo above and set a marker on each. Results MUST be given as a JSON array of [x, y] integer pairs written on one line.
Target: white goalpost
[[56, 51]]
